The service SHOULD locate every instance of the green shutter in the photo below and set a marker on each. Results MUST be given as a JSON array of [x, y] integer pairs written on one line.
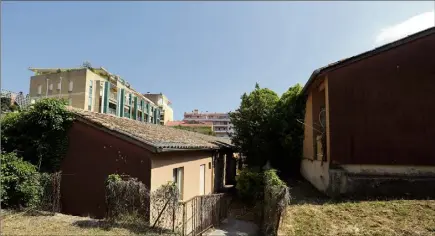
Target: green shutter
[[106, 96], [135, 108], [143, 110], [121, 103]]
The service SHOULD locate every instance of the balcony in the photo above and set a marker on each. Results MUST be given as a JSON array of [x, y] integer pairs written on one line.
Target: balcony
[[112, 111]]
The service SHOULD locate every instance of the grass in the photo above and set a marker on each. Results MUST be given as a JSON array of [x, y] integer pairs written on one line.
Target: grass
[[315, 216], [41, 223]]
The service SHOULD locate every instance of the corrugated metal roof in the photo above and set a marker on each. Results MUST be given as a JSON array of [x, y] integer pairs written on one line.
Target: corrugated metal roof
[[157, 136]]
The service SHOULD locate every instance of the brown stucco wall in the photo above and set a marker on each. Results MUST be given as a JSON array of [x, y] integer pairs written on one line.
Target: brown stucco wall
[[92, 156], [382, 108], [164, 163]]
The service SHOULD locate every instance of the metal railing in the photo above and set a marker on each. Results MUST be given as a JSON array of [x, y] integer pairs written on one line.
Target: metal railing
[[202, 212]]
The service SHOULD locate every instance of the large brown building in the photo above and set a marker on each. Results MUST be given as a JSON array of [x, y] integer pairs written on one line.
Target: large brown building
[[370, 121]]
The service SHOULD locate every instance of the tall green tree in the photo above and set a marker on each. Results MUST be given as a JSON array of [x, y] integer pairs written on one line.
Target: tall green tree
[[267, 128], [251, 125], [288, 132]]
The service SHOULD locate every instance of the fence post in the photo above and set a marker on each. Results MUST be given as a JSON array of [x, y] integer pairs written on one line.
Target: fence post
[[183, 221], [173, 219]]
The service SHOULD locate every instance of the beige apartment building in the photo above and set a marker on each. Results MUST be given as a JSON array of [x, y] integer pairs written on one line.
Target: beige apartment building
[[93, 89], [167, 114], [222, 126]]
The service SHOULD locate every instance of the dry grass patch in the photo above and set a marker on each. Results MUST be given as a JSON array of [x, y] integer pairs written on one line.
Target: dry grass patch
[[40, 223], [383, 218]]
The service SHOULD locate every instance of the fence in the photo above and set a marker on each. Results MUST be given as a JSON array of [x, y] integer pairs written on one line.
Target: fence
[[202, 212]]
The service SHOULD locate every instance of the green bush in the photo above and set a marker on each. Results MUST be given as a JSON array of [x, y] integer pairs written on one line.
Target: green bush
[[249, 184], [113, 178], [39, 133], [271, 179], [20, 186]]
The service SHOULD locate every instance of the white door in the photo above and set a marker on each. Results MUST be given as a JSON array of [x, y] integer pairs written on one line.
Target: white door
[[201, 179]]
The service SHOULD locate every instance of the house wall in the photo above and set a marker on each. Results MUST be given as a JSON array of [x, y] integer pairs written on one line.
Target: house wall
[[162, 172], [92, 156], [313, 168], [78, 94], [164, 163], [382, 108], [308, 144]]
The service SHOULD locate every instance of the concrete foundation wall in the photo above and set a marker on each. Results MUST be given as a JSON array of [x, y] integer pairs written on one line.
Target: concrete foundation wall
[[316, 173], [382, 180]]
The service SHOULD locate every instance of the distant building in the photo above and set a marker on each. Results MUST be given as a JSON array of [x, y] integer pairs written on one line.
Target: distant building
[[93, 89], [204, 127], [163, 102], [10, 98], [221, 121]]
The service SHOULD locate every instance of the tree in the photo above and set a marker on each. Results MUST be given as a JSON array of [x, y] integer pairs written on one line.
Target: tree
[[288, 131], [251, 125], [38, 133], [267, 128], [87, 64]]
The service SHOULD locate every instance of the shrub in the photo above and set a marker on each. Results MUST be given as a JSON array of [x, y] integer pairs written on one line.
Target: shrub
[[126, 198], [271, 179], [20, 186], [50, 196], [249, 185], [38, 133], [276, 198]]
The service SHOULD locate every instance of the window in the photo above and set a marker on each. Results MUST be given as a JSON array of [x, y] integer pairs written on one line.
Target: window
[[39, 89], [70, 87], [90, 95], [50, 87], [178, 178]]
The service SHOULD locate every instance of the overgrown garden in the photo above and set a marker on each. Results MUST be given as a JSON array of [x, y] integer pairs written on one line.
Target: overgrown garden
[[269, 134], [34, 141]]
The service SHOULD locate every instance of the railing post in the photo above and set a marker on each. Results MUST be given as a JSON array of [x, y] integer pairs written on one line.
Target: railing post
[[183, 221]]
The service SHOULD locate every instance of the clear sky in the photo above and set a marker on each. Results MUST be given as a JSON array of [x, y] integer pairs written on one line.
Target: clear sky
[[202, 55]]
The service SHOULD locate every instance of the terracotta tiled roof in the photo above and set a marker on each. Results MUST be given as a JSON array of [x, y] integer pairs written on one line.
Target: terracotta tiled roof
[[158, 136]]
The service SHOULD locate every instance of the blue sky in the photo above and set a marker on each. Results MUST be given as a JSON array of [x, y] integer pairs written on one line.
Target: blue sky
[[202, 55]]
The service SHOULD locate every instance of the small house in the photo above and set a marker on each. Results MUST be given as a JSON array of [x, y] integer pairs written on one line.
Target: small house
[[103, 144]]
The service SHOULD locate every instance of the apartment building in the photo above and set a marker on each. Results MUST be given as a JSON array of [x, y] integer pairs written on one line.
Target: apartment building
[[167, 114], [93, 89], [222, 126]]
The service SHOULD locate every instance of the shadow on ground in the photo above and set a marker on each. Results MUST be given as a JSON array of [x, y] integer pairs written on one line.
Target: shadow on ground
[[133, 227]]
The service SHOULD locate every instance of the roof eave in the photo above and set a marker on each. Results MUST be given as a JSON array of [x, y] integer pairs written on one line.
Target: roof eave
[[367, 54], [161, 150]]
